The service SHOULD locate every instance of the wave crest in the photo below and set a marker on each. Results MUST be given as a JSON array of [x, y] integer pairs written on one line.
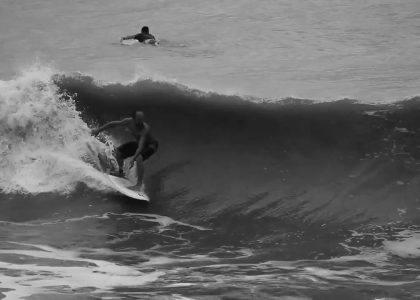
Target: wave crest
[[44, 140]]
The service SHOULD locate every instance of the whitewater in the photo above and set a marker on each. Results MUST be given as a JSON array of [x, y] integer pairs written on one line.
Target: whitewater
[[289, 158]]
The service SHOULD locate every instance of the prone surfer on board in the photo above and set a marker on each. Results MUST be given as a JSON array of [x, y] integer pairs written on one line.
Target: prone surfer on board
[[143, 37], [144, 146]]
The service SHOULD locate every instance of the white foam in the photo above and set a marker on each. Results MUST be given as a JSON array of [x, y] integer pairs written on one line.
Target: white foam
[[42, 223], [407, 245], [97, 274], [44, 142], [180, 297], [163, 221]]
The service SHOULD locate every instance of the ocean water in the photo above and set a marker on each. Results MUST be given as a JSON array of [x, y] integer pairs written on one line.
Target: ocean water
[[315, 49], [289, 158]]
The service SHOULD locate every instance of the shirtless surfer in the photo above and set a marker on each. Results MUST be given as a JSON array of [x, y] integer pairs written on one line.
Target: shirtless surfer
[[144, 146], [143, 37]]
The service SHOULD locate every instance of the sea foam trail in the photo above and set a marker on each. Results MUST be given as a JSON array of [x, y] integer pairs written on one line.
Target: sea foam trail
[[43, 139], [67, 273]]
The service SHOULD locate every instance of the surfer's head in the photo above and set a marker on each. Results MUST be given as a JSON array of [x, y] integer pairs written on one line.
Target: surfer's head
[[138, 117], [145, 29]]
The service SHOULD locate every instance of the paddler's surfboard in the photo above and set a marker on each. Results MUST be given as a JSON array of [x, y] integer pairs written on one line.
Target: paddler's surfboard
[[151, 42], [121, 184]]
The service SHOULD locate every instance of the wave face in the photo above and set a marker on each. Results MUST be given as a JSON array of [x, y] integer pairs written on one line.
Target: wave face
[[342, 161]]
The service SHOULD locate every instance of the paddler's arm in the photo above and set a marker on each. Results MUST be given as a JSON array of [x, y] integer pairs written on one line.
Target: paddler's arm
[[110, 125], [128, 37]]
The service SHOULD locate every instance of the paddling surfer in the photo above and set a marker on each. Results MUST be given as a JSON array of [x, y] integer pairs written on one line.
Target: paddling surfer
[[143, 37], [144, 146]]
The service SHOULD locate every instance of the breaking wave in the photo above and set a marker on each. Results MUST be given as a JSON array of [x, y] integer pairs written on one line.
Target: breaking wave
[[341, 161]]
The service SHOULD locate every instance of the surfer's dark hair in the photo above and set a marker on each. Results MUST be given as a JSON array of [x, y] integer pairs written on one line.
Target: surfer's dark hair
[[145, 29], [133, 114]]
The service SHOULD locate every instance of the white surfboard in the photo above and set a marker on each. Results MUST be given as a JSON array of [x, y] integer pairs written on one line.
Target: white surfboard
[[117, 183], [151, 42], [121, 184]]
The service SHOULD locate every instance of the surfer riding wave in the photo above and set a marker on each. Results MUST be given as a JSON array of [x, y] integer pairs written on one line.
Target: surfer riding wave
[[144, 146]]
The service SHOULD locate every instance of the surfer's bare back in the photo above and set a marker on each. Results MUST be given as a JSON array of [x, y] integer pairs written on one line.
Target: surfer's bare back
[[144, 146]]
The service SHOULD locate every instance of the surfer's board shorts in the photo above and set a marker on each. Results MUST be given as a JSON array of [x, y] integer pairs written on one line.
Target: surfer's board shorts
[[130, 148]]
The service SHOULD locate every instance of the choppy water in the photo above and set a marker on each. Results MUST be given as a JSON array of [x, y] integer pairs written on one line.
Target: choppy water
[[288, 200]]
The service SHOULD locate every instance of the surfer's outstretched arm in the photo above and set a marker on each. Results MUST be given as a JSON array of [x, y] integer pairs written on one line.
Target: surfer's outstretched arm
[[128, 37], [110, 125]]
